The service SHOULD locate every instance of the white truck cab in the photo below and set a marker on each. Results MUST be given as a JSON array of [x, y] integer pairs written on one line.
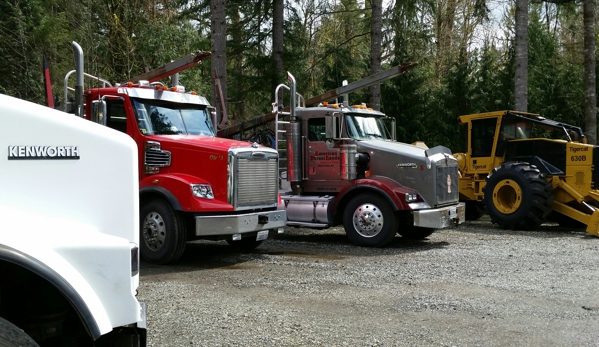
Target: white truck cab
[[69, 256]]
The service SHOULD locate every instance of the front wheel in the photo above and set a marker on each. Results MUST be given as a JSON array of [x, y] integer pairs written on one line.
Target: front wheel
[[12, 336], [517, 196], [163, 232], [370, 221]]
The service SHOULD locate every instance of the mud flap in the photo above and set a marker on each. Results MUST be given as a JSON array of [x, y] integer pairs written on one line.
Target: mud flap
[[593, 224]]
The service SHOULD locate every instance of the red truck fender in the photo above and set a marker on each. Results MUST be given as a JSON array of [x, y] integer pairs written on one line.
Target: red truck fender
[[176, 189], [388, 188]]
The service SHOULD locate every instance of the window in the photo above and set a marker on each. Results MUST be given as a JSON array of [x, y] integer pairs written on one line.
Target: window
[[157, 117], [483, 135], [117, 116], [316, 129], [360, 127]]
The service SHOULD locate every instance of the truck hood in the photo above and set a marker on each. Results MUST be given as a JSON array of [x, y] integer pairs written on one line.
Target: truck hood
[[208, 143], [399, 153], [410, 165]]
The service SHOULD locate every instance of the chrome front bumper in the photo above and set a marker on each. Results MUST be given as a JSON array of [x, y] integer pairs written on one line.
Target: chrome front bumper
[[240, 223], [439, 218]]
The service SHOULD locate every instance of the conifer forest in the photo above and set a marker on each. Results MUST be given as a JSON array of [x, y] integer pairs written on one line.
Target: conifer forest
[[467, 53]]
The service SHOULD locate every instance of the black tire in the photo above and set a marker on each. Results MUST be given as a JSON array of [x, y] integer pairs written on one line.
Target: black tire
[[370, 221], [163, 233], [415, 233], [474, 210], [12, 336], [246, 243], [565, 221], [517, 196]]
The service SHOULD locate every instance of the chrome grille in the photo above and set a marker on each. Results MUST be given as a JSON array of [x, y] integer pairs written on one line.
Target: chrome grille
[[256, 181], [253, 180], [157, 158], [445, 194]]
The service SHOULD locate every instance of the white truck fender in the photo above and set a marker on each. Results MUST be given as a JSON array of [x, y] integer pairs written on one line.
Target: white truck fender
[[62, 252], [95, 319]]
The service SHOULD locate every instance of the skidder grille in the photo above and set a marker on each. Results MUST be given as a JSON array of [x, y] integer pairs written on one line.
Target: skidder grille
[[257, 182]]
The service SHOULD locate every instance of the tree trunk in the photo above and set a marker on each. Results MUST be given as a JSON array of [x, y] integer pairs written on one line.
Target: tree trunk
[[218, 60], [376, 26], [521, 61], [237, 109], [277, 42], [590, 99]]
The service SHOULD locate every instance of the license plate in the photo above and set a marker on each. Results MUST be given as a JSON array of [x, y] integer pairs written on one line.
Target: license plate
[[453, 212], [262, 235]]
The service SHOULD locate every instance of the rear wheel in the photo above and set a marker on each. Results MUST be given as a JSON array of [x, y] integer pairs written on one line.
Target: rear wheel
[[12, 336], [370, 221], [517, 196], [163, 232]]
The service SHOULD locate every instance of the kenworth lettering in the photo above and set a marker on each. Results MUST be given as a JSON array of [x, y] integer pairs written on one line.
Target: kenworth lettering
[[43, 152]]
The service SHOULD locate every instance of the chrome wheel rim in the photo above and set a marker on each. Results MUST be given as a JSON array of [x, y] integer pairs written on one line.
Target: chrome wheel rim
[[154, 231], [368, 220]]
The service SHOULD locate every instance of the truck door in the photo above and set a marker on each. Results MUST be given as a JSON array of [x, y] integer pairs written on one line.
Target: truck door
[[323, 161]]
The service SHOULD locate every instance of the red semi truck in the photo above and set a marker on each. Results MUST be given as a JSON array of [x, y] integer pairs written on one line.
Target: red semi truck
[[193, 185]]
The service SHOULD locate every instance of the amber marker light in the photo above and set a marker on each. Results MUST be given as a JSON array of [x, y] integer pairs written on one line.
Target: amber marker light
[[155, 181], [367, 173]]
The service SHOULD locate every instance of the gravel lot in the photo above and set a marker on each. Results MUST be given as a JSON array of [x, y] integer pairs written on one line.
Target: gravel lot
[[477, 285]]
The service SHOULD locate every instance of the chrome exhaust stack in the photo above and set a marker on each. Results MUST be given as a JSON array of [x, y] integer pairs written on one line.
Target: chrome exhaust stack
[[78, 106], [294, 139]]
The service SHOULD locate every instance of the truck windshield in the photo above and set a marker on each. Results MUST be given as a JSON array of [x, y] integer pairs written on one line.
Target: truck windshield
[[366, 128], [156, 117]]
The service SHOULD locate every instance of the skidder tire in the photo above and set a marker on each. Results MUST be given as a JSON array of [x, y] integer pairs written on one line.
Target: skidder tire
[[13, 336], [517, 196], [474, 210], [369, 220], [163, 233]]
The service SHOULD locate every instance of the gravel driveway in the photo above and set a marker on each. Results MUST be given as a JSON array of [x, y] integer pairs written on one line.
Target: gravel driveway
[[477, 285]]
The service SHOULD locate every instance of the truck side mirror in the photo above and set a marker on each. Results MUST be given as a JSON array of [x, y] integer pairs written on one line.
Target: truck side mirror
[[332, 126], [99, 111], [390, 123], [213, 118]]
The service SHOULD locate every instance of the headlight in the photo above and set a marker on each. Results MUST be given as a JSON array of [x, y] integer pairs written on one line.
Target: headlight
[[202, 191], [410, 197]]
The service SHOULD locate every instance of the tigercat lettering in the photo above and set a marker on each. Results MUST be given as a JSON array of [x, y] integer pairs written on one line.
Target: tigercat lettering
[[43, 152], [480, 167], [579, 149]]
